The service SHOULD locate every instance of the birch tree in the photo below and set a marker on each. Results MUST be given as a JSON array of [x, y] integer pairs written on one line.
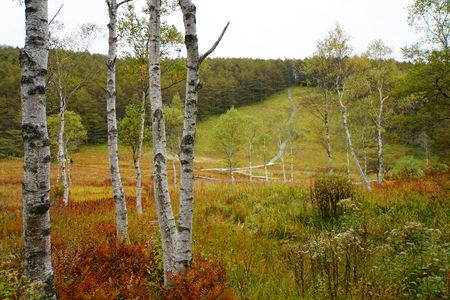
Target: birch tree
[[176, 242], [132, 135], [166, 218], [36, 180], [319, 68], [228, 137], [338, 48], [193, 85], [65, 84], [113, 150], [381, 78], [134, 32]]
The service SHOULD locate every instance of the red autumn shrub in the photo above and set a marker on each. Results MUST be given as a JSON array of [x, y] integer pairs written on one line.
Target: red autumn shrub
[[205, 280], [108, 271]]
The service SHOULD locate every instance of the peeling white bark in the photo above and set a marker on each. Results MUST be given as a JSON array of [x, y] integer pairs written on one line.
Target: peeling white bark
[[363, 141], [176, 242], [327, 131], [183, 254], [61, 145], [137, 159], [349, 141], [36, 181], [379, 125], [166, 218], [113, 150]]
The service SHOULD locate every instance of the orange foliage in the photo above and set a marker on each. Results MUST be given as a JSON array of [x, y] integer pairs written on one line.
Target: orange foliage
[[205, 280], [437, 184], [108, 271]]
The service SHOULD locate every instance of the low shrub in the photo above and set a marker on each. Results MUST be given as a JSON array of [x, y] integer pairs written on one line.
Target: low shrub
[[328, 191], [15, 286], [407, 167], [436, 168]]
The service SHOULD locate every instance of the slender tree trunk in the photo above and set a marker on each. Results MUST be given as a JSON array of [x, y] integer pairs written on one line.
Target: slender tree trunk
[[36, 180], [379, 135], [363, 139], [183, 254], [69, 167], [350, 144], [327, 131], [137, 160], [161, 186], [427, 154], [119, 196], [61, 146], [250, 161], [137, 168]]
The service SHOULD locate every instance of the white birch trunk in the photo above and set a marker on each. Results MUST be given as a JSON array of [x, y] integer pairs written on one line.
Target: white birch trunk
[[327, 131], [349, 142], [137, 160], [183, 254], [363, 139], [379, 125], [69, 167], [61, 146], [380, 154], [113, 150], [161, 186], [36, 180]]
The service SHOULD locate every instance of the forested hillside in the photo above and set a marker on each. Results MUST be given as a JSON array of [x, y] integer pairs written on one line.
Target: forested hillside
[[226, 83]]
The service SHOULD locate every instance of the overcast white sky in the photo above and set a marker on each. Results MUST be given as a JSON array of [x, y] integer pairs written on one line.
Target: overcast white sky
[[258, 29]]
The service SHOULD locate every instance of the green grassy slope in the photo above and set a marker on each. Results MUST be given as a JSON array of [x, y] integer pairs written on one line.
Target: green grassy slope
[[310, 155]]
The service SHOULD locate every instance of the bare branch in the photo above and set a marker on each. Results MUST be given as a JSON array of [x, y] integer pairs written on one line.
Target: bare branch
[[49, 23], [202, 58], [123, 2], [173, 84]]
